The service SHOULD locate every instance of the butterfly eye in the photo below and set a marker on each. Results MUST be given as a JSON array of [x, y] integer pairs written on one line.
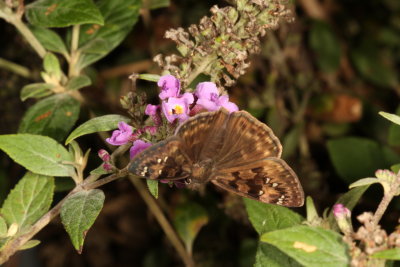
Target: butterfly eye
[[188, 181]]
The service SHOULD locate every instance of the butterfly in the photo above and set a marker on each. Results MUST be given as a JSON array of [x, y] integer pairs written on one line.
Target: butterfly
[[234, 151]]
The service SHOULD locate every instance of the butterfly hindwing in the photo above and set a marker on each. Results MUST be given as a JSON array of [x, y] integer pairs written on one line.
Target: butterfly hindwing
[[164, 160], [270, 181]]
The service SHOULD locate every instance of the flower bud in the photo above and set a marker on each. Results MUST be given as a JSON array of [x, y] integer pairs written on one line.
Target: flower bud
[[343, 218]]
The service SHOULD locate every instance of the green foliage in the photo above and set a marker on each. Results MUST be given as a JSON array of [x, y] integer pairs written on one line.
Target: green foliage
[[49, 39], [36, 90], [310, 246], [189, 218], [76, 83], [98, 124], [78, 214], [355, 157], [153, 187], [269, 217], [325, 45], [268, 255], [30, 244], [28, 151], [3, 227], [390, 254], [29, 200], [53, 116], [392, 117], [52, 66], [96, 42], [53, 13]]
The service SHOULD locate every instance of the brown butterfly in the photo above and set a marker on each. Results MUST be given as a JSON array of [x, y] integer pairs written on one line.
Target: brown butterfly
[[234, 151]]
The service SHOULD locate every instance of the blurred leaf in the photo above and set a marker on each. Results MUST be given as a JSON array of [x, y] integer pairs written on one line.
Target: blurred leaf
[[30, 244], [29, 200], [325, 45], [311, 210], [149, 77], [395, 168], [394, 130], [36, 90], [368, 63], [53, 116], [364, 181], [55, 13], [98, 124], [154, 4], [355, 157], [291, 142], [3, 242], [153, 187], [28, 151], [188, 220], [4, 185], [78, 82], [3, 227], [51, 65], [247, 252], [78, 214], [119, 16], [310, 246], [390, 254], [268, 255], [49, 39], [269, 217]]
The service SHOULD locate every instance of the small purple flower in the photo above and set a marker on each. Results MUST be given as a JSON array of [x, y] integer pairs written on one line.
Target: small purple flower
[[208, 97], [151, 110], [340, 211], [169, 85], [121, 136], [107, 166], [343, 218], [150, 129], [177, 107], [103, 154], [138, 146]]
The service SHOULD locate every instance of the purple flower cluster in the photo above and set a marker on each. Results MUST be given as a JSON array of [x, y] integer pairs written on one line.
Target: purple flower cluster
[[180, 106], [174, 106]]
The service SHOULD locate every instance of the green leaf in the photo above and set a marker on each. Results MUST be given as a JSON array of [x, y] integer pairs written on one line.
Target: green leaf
[[99, 171], [120, 16], [188, 220], [154, 4], [153, 187], [268, 255], [395, 168], [310, 246], [51, 65], [364, 181], [78, 82], [99, 124], [311, 210], [28, 151], [355, 157], [78, 214], [49, 39], [269, 217], [149, 77], [36, 90], [3, 227], [55, 13], [325, 45], [30, 244], [29, 200], [390, 254], [392, 117], [372, 67], [53, 116]]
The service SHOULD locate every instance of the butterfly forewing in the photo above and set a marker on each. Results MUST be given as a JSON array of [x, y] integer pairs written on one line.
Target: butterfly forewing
[[164, 160], [270, 180], [246, 140], [202, 135]]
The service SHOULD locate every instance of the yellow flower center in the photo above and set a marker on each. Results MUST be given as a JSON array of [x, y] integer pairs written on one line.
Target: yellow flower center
[[178, 109]]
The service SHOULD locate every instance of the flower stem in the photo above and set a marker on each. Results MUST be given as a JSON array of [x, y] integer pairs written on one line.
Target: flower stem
[[387, 198]]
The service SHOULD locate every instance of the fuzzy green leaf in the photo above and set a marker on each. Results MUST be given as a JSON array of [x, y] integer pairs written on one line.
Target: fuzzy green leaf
[[35, 90], [29, 200], [188, 220], [268, 255], [153, 187], [99, 124], [30, 244], [390, 254], [28, 151], [310, 246], [78, 214], [49, 39], [53, 116], [78, 82], [269, 217], [3, 227], [51, 65], [364, 181], [54, 13], [120, 16]]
